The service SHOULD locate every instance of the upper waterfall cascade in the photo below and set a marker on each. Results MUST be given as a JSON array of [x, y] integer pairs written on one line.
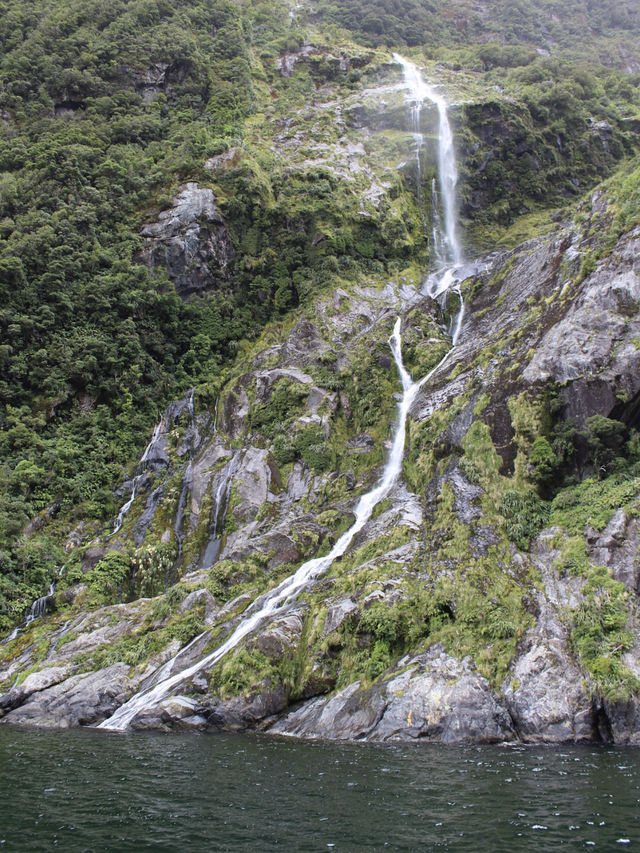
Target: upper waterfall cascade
[[420, 91], [277, 600]]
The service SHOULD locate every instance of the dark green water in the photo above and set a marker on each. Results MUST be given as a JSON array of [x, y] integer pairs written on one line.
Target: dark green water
[[94, 791]]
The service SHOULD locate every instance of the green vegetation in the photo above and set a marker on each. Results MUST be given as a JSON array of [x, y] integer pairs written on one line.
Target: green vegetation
[[600, 636], [93, 344], [119, 576], [104, 111], [525, 515], [561, 127], [440, 26]]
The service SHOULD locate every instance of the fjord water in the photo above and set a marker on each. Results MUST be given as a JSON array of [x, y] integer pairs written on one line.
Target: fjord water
[[95, 791]]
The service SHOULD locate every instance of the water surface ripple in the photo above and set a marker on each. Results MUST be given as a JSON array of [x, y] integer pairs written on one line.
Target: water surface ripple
[[91, 791]]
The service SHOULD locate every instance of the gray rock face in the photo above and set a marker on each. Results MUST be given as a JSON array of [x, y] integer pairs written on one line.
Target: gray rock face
[[190, 241], [432, 697], [623, 721], [201, 598], [34, 683], [281, 636], [242, 713], [338, 612], [150, 81], [286, 62], [77, 701], [592, 347], [617, 548], [546, 697], [252, 480], [546, 692]]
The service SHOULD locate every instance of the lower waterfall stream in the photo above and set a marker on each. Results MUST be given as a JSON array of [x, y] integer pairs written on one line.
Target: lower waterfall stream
[[275, 601]]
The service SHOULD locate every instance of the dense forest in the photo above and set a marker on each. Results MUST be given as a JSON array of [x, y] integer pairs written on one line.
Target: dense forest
[[93, 345]]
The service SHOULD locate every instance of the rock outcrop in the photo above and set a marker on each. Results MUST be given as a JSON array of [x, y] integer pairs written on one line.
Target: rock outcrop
[[432, 697], [189, 241]]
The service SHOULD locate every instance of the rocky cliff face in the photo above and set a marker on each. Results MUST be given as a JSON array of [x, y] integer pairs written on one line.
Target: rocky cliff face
[[489, 598], [268, 476]]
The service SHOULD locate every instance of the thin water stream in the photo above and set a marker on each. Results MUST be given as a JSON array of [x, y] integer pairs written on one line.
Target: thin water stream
[[124, 509], [275, 601]]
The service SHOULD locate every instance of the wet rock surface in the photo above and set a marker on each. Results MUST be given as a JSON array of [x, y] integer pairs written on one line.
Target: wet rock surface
[[80, 700], [617, 548], [431, 697]]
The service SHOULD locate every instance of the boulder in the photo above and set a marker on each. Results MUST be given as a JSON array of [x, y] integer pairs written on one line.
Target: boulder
[[77, 701], [201, 598], [547, 698], [431, 696]]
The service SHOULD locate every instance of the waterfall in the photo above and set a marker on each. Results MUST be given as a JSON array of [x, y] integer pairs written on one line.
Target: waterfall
[[419, 92], [293, 9], [163, 426], [124, 509], [195, 438], [157, 430], [446, 243], [418, 138], [219, 511], [215, 414], [187, 476], [436, 227], [276, 601], [39, 606], [182, 503], [36, 611]]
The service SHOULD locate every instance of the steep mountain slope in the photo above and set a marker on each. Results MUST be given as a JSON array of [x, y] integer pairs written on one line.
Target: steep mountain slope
[[434, 571], [492, 594]]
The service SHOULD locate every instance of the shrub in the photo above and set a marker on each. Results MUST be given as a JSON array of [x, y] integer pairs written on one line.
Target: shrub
[[311, 446], [525, 515], [600, 635]]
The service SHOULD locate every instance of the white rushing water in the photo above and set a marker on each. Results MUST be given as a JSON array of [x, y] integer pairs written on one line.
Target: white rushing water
[[269, 605], [187, 476], [275, 601], [124, 509], [161, 428], [420, 91], [37, 610], [219, 511]]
